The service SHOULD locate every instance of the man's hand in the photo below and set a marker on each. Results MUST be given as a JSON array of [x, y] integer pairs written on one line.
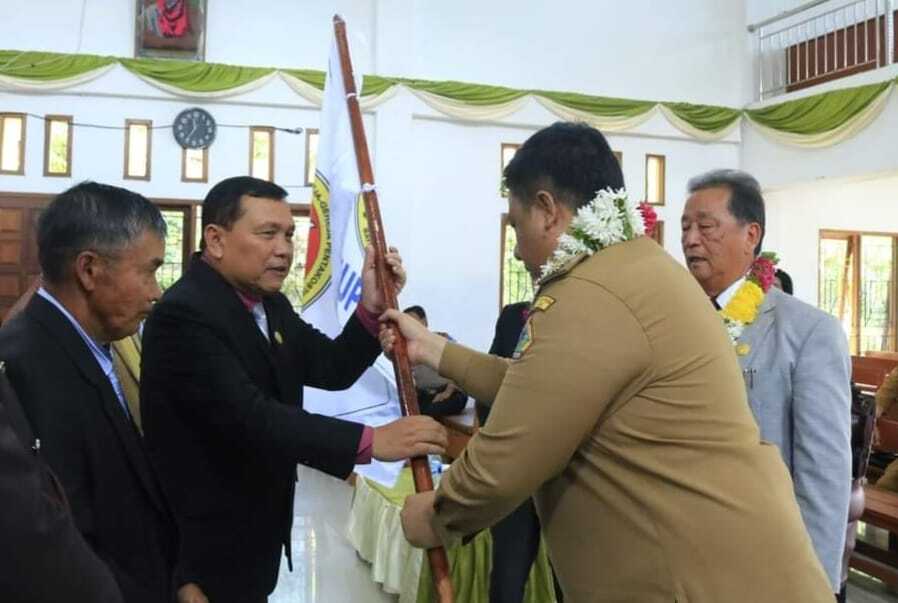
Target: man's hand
[[191, 593], [408, 437], [423, 346], [417, 515], [372, 298]]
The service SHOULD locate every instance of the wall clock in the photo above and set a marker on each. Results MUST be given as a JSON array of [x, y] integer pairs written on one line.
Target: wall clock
[[194, 128]]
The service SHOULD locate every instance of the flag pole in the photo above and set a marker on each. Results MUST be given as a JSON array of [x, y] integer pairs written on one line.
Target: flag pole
[[408, 399]]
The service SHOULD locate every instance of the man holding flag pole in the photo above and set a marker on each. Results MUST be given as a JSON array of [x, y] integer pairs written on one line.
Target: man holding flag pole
[[225, 359]]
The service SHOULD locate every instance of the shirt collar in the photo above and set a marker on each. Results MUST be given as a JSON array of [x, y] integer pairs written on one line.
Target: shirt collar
[[100, 351], [727, 294]]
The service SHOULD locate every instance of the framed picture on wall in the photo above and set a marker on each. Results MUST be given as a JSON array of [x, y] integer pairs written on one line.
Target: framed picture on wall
[[174, 29]]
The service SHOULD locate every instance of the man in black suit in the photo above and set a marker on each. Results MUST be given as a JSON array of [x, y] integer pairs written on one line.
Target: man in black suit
[[99, 248], [225, 359], [42, 555]]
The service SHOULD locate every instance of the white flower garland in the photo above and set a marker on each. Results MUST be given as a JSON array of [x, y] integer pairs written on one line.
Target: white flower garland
[[610, 218]]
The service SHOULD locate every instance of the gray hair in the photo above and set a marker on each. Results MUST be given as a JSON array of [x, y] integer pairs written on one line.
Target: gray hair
[[746, 203], [92, 217]]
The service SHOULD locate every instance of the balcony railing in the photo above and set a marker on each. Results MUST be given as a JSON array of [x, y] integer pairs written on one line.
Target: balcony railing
[[823, 40]]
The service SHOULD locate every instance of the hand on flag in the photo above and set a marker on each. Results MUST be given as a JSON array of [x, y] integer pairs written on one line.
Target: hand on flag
[[372, 297]]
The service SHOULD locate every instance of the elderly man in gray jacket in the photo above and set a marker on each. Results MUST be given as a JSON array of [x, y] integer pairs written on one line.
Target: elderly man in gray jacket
[[794, 357]]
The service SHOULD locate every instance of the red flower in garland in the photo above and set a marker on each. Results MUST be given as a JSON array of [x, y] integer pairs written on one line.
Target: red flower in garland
[[763, 270], [649, 217]]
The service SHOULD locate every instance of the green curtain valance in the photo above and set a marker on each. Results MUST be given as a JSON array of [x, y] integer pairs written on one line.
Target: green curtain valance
[[820, 112], [818, 120]]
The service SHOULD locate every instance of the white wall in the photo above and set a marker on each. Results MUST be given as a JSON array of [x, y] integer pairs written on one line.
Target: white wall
[[797, 214], [438, 178], [692, 50]]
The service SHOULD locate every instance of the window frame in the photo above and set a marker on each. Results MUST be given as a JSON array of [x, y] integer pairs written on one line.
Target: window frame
[[252, 133], [48, 121], [24, 118], [149, 155], [205, 176], [662, 184]]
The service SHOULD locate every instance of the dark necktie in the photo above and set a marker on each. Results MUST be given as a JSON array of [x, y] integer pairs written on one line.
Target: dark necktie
[[714, 303]]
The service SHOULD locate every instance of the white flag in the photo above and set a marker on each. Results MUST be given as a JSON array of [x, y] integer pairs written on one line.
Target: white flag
[[338, 234]]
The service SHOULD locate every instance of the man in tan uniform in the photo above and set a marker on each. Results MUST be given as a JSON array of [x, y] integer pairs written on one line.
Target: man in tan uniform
[[623, 414]]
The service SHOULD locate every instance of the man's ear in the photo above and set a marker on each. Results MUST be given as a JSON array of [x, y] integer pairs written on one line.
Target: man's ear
[[548, 207], [89, 269], [214, 237], [753, 237]]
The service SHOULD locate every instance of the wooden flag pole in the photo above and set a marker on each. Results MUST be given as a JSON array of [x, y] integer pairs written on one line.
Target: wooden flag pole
[[408, 399]]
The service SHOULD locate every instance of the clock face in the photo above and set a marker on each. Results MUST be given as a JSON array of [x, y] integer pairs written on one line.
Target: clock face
[[194, 128]]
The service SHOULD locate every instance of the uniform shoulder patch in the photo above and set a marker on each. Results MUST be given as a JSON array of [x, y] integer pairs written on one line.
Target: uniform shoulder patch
[[524, 340], [543, 303]]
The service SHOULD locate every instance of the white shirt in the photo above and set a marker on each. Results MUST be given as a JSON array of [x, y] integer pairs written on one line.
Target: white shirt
[[727, 294]]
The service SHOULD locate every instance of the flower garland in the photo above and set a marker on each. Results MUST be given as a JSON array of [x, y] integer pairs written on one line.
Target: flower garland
[[608, 219], [742, 309]]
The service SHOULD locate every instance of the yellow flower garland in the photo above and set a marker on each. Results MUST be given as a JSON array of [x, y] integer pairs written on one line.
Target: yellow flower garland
[[744, 306]]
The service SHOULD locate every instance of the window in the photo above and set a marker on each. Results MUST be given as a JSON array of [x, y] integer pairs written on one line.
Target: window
[[58, 145], [138, 145], [311, 155], [293, 284], [507, 152], [515, 284], [195, 165], [857, 276], [12, 144], [261, 153], [176, 221], [654, 179]]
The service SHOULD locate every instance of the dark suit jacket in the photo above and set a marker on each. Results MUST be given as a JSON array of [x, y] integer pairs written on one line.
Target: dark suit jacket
[[508, 330], [222, 413], [93, 447], [42, 555]]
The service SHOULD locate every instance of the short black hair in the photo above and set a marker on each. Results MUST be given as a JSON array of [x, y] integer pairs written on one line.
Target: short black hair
[[417, 311], [785, 279], [222, 204], [746, 202], [571, 160], [92, 216]]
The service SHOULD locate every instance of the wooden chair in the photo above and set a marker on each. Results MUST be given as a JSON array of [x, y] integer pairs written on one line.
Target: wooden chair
[[868, 372]]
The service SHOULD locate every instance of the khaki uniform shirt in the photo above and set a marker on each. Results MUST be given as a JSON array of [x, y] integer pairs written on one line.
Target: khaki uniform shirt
[[625, 416]]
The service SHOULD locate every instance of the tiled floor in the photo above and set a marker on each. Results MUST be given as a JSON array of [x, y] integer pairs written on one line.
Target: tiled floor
[[327, 570]]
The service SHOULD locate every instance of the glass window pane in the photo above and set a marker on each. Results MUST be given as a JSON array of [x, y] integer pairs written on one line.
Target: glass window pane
[[876, 298], [836, 282], [173, 265], [12, 140], [59, 147], [193, 164], [198, 228], [293, 283], [654, 179], [517, 286], [138, 139], [261, 155]]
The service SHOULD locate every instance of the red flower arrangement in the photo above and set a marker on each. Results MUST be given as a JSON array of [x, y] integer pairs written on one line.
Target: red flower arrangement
[[649, 217], [763, 270]]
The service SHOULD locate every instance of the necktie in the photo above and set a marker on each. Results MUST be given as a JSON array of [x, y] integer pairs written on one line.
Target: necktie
[[714, 303], [261, 319]]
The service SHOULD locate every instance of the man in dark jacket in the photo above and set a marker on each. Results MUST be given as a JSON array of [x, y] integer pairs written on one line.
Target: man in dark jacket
[[225, 359], [99, 248], [42, 555]]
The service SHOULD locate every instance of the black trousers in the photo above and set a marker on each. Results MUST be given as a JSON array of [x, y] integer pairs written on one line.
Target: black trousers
[[515, 545]]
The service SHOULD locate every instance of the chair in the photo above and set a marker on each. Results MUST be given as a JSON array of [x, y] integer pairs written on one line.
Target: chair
[[863, 413]]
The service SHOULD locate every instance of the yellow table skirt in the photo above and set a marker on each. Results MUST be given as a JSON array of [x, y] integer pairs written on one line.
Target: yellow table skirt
[[376, 533]]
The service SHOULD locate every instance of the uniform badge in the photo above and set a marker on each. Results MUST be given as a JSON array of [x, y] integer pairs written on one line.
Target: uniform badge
[[278, 338], [743, 349], [524, 341], [543, 303]]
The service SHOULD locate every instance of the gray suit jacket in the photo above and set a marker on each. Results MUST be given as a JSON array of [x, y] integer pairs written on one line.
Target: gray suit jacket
[[798, 378]]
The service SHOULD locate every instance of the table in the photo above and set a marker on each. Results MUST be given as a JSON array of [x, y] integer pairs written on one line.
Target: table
[[375, 532]]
